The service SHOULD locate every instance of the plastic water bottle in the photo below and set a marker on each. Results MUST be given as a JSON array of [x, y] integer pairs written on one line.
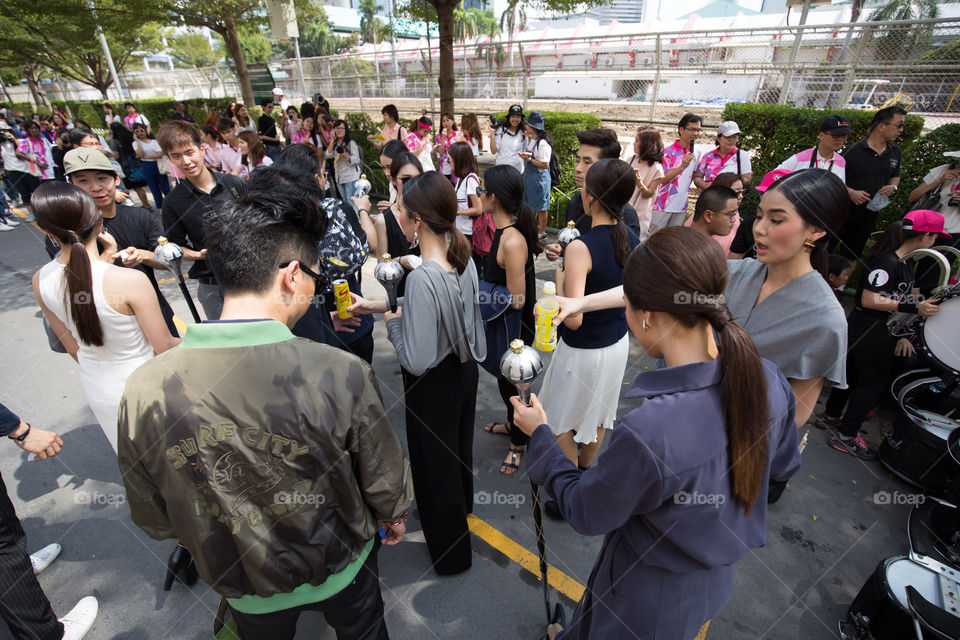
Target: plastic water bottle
[[547, 309]]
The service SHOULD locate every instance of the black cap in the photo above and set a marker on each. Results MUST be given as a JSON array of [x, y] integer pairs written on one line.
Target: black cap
[[835, 124], [515, 110]]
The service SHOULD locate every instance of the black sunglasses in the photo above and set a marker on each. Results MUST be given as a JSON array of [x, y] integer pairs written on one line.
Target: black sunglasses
[[404, 179], [481, 191], [321, 281]]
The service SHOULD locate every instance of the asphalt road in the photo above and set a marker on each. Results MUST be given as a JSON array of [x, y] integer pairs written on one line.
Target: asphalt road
[[824, 538]]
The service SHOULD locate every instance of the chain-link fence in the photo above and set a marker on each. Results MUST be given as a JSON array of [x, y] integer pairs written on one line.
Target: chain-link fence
[[628, 77]]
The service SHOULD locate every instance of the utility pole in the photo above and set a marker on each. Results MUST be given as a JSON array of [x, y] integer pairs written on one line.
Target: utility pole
[[106, 50], [303, 84]]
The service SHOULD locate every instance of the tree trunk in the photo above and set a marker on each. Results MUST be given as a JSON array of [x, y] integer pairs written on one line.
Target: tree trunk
[[5, 92], [445, 78], [39, 95], [232, 41]]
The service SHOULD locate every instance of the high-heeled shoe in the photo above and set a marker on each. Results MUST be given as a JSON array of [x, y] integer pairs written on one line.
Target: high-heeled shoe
[[180, 567]]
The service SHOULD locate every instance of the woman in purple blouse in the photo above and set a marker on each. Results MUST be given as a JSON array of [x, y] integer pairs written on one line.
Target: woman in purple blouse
[[680, 493]]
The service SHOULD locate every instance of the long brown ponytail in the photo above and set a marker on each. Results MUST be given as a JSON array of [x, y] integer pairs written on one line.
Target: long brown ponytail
[[432, 197], [611, 182], [70, 215], [683, 272]]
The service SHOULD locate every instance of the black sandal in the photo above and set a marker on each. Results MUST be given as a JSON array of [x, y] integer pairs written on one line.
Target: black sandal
[[491, 427], [514, 464]]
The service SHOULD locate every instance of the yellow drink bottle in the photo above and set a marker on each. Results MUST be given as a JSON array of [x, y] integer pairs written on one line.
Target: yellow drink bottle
[[547, 310]]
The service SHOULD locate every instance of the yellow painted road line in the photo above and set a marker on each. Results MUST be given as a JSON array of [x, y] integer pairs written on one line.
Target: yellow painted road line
[[166, 280], [531, 562], [181, 325]]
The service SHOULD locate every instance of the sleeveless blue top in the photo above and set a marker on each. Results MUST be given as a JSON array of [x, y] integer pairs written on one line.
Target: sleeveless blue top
[[600, 328]]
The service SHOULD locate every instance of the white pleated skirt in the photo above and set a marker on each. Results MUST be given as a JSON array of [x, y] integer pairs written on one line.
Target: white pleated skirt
[[581, 388]]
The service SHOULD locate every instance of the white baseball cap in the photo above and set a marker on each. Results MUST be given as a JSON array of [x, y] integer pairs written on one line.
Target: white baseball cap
[[728, 128], [277, 91]]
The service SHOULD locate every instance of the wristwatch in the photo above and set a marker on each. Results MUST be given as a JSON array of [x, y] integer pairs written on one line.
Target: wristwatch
[[20, 439]]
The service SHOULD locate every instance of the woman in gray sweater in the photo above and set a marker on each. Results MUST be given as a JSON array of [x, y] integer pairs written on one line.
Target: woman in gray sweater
[[439, 337]]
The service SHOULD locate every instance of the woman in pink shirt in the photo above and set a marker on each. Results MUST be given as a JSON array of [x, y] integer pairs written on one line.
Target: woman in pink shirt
[[646, 164]]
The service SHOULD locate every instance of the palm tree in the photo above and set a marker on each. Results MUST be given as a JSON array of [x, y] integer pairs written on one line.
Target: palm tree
[[465, 26], [368, 26], [514, 18], [899, 43]]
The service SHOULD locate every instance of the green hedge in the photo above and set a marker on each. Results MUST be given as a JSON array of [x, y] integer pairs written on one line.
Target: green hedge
[[773, 133], [156, 110], [562, 127], [361, 125]]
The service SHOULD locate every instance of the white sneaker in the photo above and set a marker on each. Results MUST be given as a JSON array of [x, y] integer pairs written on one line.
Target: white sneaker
[[41, 559], [12, 222], [80, 619], [5, 227]]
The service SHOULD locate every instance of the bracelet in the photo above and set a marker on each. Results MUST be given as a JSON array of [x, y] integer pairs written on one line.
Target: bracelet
[[23, 437], [362, 210], [393, 523]]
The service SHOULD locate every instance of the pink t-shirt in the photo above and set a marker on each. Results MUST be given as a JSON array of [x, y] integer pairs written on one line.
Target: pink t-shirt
[[672, 196], [230, 158], [804, 160], [647, 173], [41, 151]]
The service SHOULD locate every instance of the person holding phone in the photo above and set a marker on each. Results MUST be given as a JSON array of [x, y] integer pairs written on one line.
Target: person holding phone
[[680, 160], [506, 139]]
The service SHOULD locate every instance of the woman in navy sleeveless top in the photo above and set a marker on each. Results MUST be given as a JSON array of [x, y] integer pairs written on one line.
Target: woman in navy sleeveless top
[[582, 384]]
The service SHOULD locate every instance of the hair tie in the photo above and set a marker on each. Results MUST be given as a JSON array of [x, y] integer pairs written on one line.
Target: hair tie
[[720, 315]]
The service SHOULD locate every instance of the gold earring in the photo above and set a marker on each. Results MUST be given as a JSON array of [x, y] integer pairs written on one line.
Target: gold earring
[[809, 245]]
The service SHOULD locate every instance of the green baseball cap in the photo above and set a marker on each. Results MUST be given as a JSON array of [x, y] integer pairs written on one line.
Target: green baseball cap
[[84, 159]]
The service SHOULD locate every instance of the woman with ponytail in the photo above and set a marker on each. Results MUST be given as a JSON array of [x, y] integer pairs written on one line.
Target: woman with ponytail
[[107, 317], [510, 264], [887, 286], [592, 349], [681, 492], [438, 334]]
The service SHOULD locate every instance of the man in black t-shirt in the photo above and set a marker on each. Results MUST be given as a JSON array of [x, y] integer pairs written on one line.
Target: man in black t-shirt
[[187, 205], [135, 229], [595, 144], [873, 168], [267, 128]]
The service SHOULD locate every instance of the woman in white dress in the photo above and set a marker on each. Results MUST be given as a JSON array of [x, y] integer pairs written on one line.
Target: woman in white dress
[[107, 317]]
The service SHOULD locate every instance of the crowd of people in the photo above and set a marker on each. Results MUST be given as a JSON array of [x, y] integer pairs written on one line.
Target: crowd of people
[[274, 393]]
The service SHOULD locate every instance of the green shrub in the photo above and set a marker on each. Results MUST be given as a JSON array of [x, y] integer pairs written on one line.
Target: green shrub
[[361, 126], [773, 133], [562, 127], [91, 115], [156, 110]]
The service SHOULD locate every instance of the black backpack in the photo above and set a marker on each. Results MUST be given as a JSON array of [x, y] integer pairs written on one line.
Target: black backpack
[[554, 166]]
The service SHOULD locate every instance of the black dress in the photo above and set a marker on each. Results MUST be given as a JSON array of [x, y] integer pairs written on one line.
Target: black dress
[[493, 272], [397, 244]]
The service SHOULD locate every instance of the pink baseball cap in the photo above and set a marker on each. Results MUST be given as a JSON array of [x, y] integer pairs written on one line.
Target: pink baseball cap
[[771, 177], [926, 221]]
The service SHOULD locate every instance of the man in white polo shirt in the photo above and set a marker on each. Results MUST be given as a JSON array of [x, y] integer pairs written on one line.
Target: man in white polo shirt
[[826, 155]]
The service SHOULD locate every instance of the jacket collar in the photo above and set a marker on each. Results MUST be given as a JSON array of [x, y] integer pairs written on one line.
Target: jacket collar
[[235, 333], [689, 377]]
